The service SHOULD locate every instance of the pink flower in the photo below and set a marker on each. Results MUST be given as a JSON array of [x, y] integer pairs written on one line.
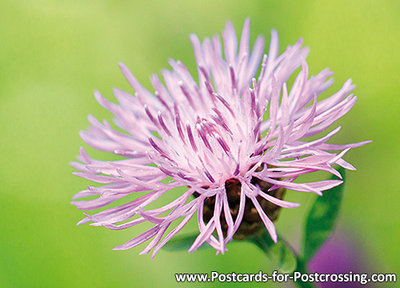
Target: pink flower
[[231, 138]]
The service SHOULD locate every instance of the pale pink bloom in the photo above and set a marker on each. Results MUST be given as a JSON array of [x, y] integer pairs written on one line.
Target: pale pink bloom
[[205, 132]]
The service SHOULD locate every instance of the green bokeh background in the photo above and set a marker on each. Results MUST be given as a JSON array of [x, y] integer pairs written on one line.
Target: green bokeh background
[[53, 54]]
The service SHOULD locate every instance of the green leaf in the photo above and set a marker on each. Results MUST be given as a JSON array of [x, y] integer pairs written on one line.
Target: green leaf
[[180, 243], [321, 219], [279, 254]]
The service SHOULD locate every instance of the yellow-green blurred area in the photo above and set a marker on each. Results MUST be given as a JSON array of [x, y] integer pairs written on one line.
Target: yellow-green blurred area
[[54, 54]]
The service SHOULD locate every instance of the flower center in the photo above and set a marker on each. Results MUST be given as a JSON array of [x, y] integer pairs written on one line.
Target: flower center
[[251, 222]]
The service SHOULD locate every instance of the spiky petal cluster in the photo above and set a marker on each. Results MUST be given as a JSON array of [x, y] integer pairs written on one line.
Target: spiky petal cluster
[[205, 132]]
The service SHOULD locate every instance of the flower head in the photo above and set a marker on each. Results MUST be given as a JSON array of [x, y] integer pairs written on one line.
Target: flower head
[[234, 140]]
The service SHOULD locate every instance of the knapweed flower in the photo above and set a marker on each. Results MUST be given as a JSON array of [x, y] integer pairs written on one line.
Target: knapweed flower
[[234, 139]]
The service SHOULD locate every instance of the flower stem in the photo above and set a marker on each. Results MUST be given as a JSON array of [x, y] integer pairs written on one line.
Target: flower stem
[[265, 243], [301, 267]]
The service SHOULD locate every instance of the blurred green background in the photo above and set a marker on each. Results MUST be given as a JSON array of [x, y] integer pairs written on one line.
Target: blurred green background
[[53, 54]]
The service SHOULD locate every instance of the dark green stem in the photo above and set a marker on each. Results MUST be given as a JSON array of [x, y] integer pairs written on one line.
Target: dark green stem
[[264, 242], [301, 267]]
